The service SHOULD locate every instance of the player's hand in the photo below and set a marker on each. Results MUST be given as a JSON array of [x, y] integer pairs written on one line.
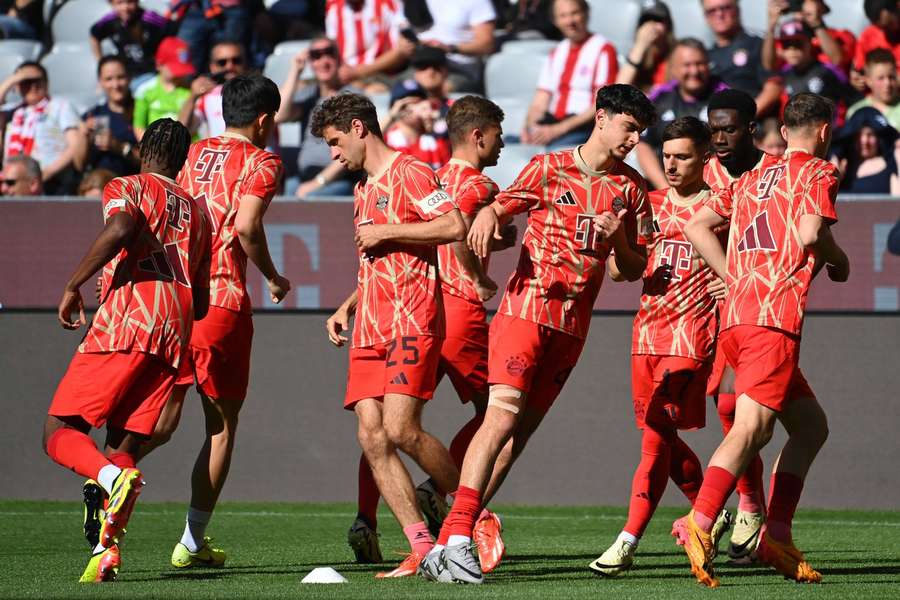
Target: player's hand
[[98, 289], [71, 301], [485, 288], [717, 288], [484, 230], [278, 288], [509, 233], [838, 273], [608, 223], [335, 325], [368, 237]]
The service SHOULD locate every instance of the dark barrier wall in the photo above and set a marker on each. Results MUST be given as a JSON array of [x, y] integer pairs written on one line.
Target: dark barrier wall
[[297, 444], [312, 243]]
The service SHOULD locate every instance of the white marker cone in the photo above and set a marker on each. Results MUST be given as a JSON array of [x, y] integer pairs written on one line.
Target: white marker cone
[[324, 575]]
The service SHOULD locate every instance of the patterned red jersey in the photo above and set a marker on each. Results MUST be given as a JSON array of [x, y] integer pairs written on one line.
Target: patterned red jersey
[[562, 262], [219, 171], [399, 288], [472, 190], [678, 317], [147, 303], [769, 270], [717, 176]]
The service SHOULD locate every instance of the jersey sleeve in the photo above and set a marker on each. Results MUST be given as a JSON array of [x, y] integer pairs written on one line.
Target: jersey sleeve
[[607, 68], [264, 179], [200, 275], [68, 118], [120, 195], [424, 192], [820, 196], [527, 190], [482, 11], [721, 200], [639, 218], [477, 194]]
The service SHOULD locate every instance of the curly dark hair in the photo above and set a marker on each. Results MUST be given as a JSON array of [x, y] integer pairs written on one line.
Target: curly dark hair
[[341, 110], [472, 112], [167, 142], [626, 99]]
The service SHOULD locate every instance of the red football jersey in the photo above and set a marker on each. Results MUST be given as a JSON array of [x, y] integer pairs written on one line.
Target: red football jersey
[[717, 176], [219, 171], [769, 270], [147, 303], [399, 288], [472, 190], [562, 262], [678, 317]]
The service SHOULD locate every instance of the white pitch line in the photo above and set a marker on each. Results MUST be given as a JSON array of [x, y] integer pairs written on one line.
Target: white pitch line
[[348, 515]]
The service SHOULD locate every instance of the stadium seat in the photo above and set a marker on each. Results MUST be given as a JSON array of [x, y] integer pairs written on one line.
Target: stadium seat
[[71, 70], [279, 65], [615, 21], [382, 104], [27, 49], [291, 48], [84, 102], [508, 75], [157, 6], [754, 16], [689, 21], [847, 14], [513, 159], [515, 109], [539, 48], [8, 65], [73, 21]]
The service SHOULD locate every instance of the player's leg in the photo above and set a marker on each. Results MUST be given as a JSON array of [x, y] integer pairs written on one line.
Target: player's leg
[[807, 428], [685, 470], [362, 535], [167, 424]]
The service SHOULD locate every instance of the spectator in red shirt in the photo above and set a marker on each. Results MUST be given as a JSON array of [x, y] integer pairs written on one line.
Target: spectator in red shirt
[[884, 32], [832, 46]]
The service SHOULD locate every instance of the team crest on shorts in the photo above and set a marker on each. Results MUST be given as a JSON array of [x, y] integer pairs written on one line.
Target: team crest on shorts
[[515, 365], [617, 205], [381, 203]]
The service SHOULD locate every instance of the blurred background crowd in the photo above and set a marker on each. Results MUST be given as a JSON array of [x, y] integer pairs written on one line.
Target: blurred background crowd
[[80, 80]]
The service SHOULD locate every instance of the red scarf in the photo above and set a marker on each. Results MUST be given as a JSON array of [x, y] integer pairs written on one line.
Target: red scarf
[[23, 127]]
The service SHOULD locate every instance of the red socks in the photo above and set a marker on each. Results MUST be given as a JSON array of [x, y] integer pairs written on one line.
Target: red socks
[[461, 520], [76, 451], [750, 487], [685, 469], [460, 443], [419, 539], [718, 484], [649, 481], [367, 500], [784, 495], [123, 460]]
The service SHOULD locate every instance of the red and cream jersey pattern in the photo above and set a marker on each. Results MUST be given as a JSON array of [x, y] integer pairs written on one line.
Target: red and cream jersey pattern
[[769, 270], [146, 289], [220, 171], [573, 73], [365, 31], [676, 317], [562, 262], [472, 190], [399, 290], [717, 176]]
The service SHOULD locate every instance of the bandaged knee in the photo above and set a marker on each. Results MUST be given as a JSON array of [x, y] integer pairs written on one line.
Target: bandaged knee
[[499, 395]]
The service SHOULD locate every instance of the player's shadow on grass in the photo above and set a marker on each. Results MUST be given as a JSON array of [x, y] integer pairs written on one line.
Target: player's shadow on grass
[[526, 558]]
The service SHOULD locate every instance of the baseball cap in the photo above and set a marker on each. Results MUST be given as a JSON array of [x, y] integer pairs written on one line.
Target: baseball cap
[[794, 29], [654, 10], [174, 54], [405, 89], [428, 56]]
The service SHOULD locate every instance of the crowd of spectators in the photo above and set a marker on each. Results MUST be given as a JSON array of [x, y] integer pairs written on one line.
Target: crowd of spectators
[[423, 52]]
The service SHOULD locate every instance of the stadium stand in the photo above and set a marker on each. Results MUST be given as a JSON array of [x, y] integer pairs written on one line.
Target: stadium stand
[[73, 20], [512, 160], [688, 21], [615, 25], [25, 49], [512, 74], [72, 71]]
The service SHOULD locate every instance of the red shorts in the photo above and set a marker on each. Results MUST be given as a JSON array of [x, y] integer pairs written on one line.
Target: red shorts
[[766, 365], [464, 353], [407, 365], [717, 372], [669, 391], [126, 390], [220, 354], [533, 358]]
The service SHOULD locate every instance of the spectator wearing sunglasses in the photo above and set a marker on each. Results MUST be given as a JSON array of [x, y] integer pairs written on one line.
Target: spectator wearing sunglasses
[[21, 177], [131, 32], [317, 174], [44, 128], [202, 112]]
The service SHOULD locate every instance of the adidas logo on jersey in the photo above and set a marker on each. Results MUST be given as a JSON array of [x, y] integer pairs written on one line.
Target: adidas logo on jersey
[[566, 199], [400, 379], [758, 235]]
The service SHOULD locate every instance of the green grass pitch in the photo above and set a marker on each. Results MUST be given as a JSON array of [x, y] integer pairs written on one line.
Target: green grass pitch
[[272, 546]]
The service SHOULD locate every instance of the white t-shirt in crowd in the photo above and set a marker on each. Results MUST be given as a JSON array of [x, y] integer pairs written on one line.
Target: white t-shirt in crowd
[[49, 131], [454, 20]]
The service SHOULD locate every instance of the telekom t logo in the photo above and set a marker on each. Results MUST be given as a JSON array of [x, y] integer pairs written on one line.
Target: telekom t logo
[[768, 180], [586, 235], [678, 255], [209, 163]]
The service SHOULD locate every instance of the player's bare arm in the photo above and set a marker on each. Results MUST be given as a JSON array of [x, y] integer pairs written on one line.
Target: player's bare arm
[[700, 231], [249, 225], [486, 228], [816, 236], [630, 258], [115, 235], [474, 268], [340, 320], [446, 228], [200, 287]]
